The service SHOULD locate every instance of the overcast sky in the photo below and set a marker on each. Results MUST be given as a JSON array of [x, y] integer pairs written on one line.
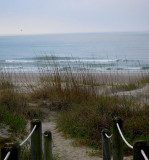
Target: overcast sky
[[68, 16]]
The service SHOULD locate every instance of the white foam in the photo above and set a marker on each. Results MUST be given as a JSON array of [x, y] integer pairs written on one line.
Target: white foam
[[89, 60], [19, 61]]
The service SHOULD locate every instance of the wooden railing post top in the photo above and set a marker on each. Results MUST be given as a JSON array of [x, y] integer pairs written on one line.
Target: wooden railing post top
[[105, 131], [36, 122], [118, 120], [10, 145], [14, 150], [141, 143], [48, 133]]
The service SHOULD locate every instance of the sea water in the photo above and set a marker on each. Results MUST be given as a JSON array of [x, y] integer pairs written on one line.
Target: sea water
[[95, 52]]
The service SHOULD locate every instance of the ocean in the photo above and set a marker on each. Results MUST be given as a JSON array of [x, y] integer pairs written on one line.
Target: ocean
[[95, 52]]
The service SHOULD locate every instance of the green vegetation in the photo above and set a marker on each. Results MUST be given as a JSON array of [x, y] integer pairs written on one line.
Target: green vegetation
[[16, 122], [86, 122], [84, 113]]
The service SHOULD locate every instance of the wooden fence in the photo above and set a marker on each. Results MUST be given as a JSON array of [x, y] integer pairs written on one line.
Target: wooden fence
[[11, 151], [112, 145]]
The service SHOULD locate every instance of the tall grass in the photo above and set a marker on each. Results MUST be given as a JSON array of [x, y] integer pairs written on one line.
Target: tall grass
[[13, 104], [85, 111]]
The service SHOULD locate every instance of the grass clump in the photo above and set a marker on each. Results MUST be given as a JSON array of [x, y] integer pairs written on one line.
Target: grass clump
[[16, 122], [6, 85], [129, 86], [13, 100], [144, 80], [86, 121]]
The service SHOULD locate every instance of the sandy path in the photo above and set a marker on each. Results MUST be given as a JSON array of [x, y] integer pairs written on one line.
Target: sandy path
[[63, 146]]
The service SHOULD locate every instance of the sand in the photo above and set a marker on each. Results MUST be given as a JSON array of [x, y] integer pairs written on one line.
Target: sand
[[99, 77]]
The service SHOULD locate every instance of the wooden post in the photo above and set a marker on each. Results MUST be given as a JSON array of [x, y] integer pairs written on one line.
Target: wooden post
[[138, 146], [117, 142], [106, 145], [47, 145], [36, 140], [14, 150]]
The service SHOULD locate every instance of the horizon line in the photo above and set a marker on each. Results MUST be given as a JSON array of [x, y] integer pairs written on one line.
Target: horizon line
[[60, 33]]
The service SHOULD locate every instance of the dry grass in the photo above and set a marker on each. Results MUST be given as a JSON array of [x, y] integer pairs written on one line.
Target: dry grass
[[84, 113]]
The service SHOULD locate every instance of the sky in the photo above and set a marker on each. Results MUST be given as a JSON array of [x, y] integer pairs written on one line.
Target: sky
[[73, 16]]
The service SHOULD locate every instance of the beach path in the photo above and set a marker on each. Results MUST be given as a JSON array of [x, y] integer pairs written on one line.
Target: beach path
[[63, 147]]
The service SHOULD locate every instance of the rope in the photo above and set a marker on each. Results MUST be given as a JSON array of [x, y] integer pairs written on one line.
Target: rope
[[7, 156], [144, 155], [108, 136], [29, 135], [130, 146]]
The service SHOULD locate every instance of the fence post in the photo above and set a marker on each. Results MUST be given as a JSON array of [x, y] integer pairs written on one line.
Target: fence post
[[36, 140], [14, 148], [117, 142], [47, 145], [138, 146], [106, 145]]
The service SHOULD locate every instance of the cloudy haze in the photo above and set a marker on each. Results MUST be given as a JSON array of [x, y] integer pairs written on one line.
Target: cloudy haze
[[68, 16]]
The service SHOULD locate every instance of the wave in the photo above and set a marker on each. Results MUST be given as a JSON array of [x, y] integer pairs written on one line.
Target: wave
[[19, 61], [71, 59], [99, 60], [78, 64], [74, 59], [52, 58], [124, 68]]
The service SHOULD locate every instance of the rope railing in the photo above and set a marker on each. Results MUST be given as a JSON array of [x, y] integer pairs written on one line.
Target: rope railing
[[130, 146], [108, 136], [29, 135], [7, 156], [144, 155], [117, 139], [21, 144]]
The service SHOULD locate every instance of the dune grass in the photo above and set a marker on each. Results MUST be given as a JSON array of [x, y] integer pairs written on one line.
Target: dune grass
[[84, 113], [13, 104]]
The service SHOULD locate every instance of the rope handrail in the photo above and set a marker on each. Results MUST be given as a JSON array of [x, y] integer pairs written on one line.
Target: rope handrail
[[108, 136], [130, 146], [29, 135], [7, 156], [144, 155]]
